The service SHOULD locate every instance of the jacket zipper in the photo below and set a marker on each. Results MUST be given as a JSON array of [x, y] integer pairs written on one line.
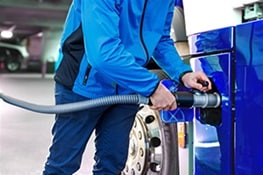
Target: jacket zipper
[[141, 33], [86, 77]]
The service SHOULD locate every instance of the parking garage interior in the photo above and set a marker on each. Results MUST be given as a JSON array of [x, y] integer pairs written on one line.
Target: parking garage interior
[[25, 136], [30, 32]]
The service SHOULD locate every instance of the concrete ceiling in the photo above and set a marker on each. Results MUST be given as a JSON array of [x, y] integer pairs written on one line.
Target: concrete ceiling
[[29, 17]]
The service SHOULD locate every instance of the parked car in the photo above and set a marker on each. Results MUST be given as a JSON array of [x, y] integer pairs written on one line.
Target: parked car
[[12, 56]]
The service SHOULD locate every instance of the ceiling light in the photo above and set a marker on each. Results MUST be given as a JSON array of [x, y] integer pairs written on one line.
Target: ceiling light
[[7, 34], [40, 34]]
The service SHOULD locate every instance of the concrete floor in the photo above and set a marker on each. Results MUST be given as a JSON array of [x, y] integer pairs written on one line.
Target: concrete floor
[[25, 136]]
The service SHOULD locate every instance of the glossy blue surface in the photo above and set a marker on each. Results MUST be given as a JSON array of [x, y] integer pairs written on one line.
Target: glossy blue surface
[[212, 53], [249, 98], [179, 3], [218, 68], [211, 41], [233, 59]]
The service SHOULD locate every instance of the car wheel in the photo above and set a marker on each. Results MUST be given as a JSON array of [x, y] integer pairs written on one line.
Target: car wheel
[[13, 64], [153, 148]]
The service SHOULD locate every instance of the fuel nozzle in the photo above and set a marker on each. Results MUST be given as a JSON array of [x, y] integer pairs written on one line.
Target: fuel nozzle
[[208, 104], [194, 98], [197, 99]]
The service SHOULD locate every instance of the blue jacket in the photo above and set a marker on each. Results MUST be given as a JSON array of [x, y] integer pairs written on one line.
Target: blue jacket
[[106, 45]]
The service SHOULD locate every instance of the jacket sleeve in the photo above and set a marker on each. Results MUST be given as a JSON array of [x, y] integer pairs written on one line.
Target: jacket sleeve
[[106, 53], [166, 55]]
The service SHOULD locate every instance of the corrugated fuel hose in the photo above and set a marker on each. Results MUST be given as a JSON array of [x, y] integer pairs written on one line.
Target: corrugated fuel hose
[[183, 99]]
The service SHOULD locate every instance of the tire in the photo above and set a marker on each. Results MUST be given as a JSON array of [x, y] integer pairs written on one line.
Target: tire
[[153, 148], [12, 64]]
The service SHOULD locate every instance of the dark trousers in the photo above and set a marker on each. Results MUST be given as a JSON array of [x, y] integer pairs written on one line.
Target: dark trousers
[[71, 132]]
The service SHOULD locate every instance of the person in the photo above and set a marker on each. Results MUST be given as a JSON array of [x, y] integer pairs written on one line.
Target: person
[[105, 48]]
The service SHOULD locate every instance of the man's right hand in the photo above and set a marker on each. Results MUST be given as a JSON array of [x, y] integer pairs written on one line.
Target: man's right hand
[[163, 99]]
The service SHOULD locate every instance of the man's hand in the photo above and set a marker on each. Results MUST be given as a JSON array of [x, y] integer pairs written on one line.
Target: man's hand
[[163, 99], [195, 79]]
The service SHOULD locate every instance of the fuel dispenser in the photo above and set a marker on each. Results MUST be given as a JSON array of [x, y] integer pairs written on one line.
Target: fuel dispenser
[[232, 58]]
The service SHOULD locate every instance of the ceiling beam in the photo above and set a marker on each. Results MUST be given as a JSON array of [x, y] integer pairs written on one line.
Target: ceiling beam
[[47, 23], [63, 5]]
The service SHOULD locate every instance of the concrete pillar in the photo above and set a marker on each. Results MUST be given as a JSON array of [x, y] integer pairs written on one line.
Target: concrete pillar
[[50, 45]]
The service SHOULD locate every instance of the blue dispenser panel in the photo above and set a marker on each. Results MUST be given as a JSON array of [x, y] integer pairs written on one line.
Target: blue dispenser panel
[[212, 52], [220, 40], [214, 145], [249, 98]]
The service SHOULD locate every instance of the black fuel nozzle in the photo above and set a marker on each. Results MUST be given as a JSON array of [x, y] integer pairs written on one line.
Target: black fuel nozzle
[[203, 83], [197, 99], [208, 104]]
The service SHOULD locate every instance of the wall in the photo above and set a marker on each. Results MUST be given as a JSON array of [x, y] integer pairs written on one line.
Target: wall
[[206, 15]]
